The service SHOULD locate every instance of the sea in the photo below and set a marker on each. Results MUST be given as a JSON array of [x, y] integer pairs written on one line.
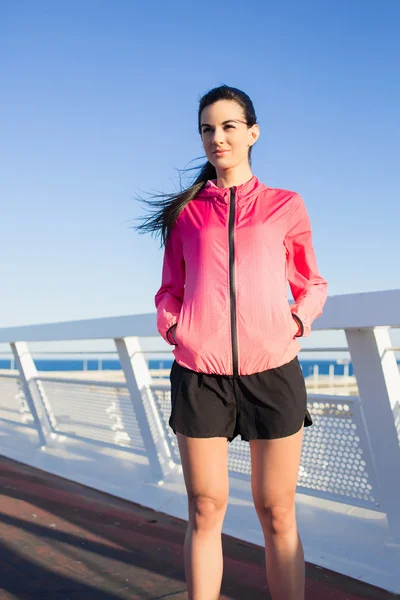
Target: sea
[[87, 364]]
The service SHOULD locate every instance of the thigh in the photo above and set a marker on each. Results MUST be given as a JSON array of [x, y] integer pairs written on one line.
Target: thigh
[[205, 468], [275, 468]]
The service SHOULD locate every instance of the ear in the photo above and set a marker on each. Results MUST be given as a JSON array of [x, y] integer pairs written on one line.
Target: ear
[[254, 134]]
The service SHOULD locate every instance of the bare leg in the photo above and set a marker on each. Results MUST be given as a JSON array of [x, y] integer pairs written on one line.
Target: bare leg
[[203, 556], [275, 467], [205, 468], [285, 564]]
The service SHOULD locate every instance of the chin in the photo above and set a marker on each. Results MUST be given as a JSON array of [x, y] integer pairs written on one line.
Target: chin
[[220, 162]]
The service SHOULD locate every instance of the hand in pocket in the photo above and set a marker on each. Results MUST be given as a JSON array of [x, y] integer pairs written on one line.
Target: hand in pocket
[[295, 328]]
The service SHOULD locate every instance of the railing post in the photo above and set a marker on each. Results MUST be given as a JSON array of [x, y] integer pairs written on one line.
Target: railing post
[[138, 381], [33, 394], [378, 381]]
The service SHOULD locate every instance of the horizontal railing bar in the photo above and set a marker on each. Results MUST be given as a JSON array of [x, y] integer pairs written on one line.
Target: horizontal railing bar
[[69, 352], [334, 399], [334, 349], [89, 352], [118, 384]]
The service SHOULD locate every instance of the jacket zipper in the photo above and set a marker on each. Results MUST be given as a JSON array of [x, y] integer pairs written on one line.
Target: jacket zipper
[[235, 358]]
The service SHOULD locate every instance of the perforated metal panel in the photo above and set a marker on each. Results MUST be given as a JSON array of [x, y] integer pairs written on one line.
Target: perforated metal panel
[[13, 405], [98, 411], [337, 459]]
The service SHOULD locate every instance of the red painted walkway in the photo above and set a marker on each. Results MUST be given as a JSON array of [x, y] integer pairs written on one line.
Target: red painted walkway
[[63, 541]]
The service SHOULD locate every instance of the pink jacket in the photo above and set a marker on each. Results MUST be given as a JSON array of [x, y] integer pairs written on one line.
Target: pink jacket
[[227, 262]]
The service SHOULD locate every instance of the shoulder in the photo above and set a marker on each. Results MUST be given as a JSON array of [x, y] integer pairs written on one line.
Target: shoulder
[[282, 198], [280, 193]]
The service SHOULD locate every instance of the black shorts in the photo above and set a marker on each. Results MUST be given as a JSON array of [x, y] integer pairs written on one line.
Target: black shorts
[[266, 405]]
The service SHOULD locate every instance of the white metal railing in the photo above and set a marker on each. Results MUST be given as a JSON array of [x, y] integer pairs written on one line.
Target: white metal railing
[[102, 412], [351, 454]]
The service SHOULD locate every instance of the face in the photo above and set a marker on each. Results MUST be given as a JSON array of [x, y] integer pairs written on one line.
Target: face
[[223, 127]]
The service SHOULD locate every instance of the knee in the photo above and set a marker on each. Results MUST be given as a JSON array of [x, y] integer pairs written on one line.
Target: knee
[[206, 512], [277, 520]]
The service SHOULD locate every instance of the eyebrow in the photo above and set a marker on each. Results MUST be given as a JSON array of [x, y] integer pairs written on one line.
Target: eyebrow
[[223, 123]]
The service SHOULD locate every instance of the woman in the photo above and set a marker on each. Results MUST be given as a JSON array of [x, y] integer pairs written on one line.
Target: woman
[[231, 246]]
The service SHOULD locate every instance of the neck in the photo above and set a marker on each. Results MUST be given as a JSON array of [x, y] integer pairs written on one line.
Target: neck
[[227, 178]]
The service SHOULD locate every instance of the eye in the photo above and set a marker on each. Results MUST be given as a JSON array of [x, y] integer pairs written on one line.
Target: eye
[[207, 128]]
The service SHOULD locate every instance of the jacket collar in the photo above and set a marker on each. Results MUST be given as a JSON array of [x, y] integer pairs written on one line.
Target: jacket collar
[[244, 192]]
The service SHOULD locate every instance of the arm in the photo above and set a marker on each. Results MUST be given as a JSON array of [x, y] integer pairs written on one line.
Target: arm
[[169, 297], [309, 289]]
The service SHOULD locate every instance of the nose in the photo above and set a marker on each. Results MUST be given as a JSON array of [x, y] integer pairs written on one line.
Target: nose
[[218, 137]]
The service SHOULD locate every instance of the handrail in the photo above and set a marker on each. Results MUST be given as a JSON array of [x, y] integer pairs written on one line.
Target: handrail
[[349, 311], [91, 352], [87, 352]]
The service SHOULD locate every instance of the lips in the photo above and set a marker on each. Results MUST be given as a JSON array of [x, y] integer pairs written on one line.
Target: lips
[[220, 151]]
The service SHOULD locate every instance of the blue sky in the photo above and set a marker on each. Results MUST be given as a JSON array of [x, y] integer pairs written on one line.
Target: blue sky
[[99, 103]]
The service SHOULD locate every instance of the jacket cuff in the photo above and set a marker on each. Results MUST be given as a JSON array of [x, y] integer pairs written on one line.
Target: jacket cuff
[[168, 336], [299, 323]]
